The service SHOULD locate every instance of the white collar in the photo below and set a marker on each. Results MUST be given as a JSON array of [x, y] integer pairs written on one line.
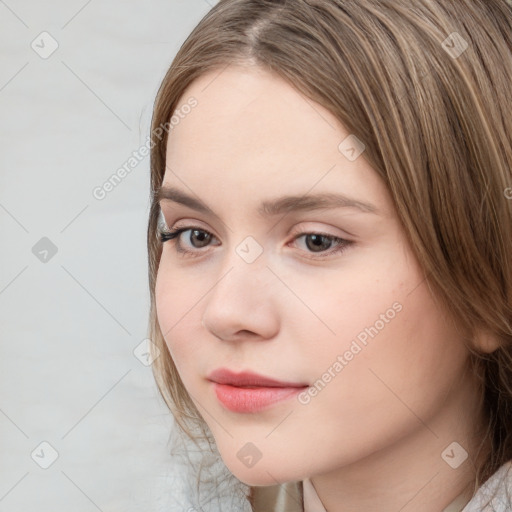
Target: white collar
[[312, 501]]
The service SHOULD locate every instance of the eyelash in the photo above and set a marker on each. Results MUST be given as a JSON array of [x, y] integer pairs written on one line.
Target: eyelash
[[171, 235]]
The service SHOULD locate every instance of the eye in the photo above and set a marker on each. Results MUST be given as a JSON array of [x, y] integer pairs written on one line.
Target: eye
[[320, 243], [198, 238]]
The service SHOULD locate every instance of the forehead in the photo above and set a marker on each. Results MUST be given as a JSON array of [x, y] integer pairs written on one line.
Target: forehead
[[251, 131], [250, 110]]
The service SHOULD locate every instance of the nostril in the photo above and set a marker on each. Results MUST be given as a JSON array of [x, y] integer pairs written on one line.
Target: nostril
[[246, 333]]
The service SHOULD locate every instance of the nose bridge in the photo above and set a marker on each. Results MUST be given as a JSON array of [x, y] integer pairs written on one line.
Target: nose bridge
[[241, 298], [244, 270]]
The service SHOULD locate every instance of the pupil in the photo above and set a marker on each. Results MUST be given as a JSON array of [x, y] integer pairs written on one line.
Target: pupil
[[317, 242], [202, 235]]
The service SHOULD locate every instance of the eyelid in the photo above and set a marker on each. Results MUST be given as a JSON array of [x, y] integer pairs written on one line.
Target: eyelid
[[329, 232], [294, 231], [297, 230], [195, 224]]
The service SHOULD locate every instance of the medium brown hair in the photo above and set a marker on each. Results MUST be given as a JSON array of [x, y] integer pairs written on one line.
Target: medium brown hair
[[436, 122]]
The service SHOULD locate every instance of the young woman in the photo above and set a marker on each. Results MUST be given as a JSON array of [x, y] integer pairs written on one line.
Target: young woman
[[330, 243]]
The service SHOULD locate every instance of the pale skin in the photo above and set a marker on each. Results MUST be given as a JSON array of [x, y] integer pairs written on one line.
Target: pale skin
[[372, 439]]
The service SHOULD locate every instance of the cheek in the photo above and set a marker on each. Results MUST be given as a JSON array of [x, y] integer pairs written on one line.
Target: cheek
[[360, 303], [424, 353], [391, 386], [175, 299], [390, 368], [391, 345]]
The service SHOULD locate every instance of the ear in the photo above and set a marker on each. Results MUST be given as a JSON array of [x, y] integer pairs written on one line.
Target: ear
[[486, 341]]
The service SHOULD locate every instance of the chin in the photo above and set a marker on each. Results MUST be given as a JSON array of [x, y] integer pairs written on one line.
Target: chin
[[256, 464], [260, 475], [257, 479]]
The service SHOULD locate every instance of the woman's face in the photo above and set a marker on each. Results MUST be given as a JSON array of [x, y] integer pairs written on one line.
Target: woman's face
[[273, 291]]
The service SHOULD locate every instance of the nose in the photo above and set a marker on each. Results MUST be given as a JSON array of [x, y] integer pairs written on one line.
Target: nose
[[243, 303]]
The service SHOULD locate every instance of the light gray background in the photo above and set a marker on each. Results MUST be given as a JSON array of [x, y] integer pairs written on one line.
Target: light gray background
[[68, 326]]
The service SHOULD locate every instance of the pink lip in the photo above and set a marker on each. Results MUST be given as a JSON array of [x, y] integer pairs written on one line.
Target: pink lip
[[250, 392]]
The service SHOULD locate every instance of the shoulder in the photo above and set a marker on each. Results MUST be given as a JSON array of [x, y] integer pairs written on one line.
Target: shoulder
[[495, 495], [285, 497]]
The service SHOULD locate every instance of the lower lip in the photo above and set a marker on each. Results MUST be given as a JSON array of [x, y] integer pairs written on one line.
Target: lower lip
[[252, 399]]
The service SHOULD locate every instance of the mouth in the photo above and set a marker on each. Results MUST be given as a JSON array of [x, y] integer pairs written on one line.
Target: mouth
[[249, 392]]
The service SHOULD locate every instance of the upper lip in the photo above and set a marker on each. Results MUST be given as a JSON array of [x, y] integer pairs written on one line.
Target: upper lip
[[225, 376]]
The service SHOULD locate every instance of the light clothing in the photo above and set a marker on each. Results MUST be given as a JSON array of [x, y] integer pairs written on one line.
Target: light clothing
[[288, 497], [312, 502]]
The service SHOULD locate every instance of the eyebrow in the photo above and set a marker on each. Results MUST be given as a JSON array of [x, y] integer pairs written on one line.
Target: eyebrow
[[277, 206]]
